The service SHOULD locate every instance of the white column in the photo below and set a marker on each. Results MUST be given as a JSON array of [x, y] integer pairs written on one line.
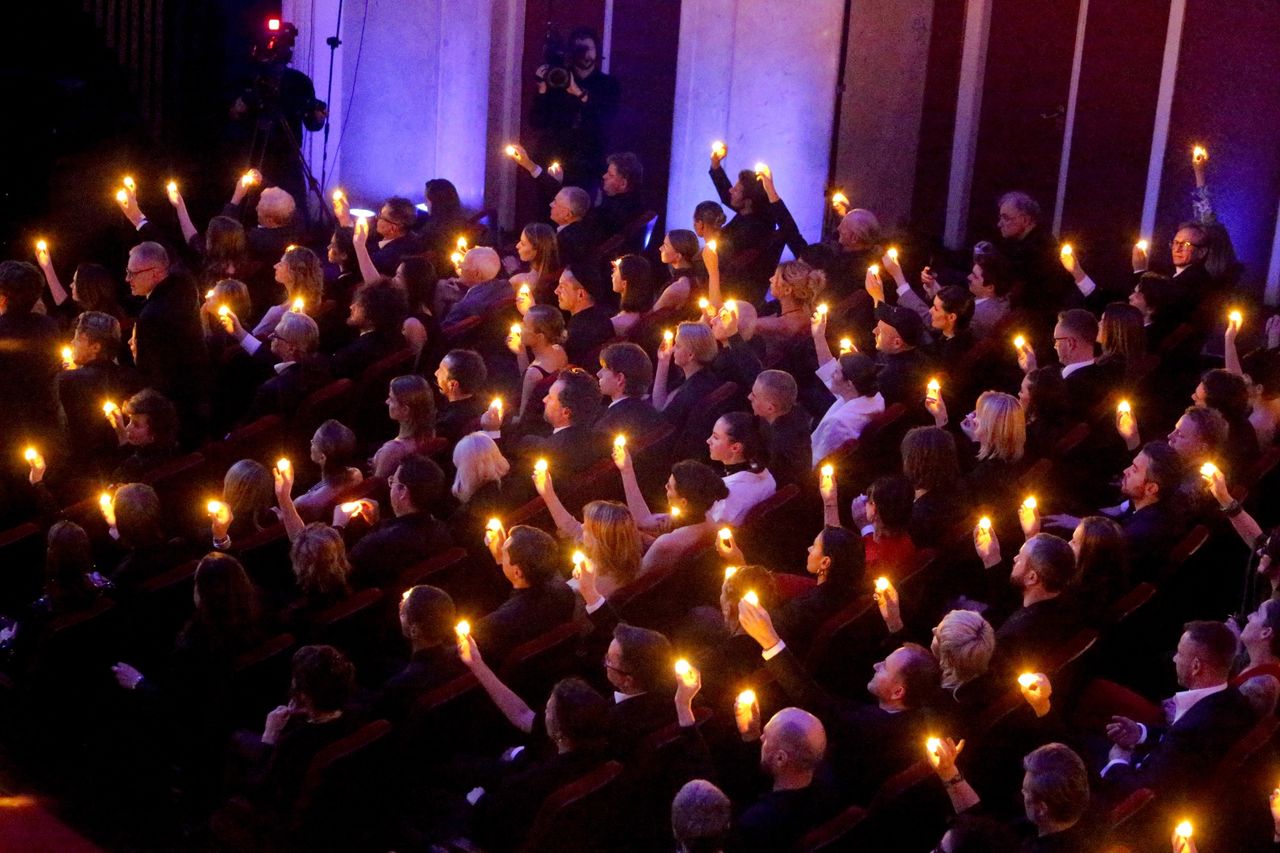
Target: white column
[[964, 141], [760, 75], [411, 87], [1064, 162], [506, 53], [1164, 106], [1272, 294]]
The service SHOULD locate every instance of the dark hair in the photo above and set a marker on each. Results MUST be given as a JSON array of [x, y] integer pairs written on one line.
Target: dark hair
[[1263, 367], [226, 247], [893, 497], [1154, 289], [162, 417], [929, 458], [228, 607], [629, 167], [96, 288], [1053, 560], [645, 656], [325, 676], [423, 479], [431, 611], [753, 190], [534, 552], [976, 834], [102, 329], [997, 271], [959, 301], [21, 284], [443, 198], [685, 242], [344, 237], [137, 510], [68, 559], [632, 363], [467, 368], [1166, 468], [1049, 399], [384, 306], [420, 280], [751, 578], [1211, 427], [848, 555], [862, 372], [401, 212], [709, 213], [584, 32], [587, 276], [1102, 568], [699, 485], [1216, 640], [921, 676], [580, 394], [338, 444], [637, 280], [546, 252], [1226, 392], [1058, 780], [744, 428], [582, 714], [1220, 259]]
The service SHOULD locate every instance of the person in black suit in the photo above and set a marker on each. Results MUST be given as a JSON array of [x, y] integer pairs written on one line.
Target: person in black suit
[[870, 742], [899, 334], [396, 239], [170, 340], [539, 601], [784, 425], [427, 620], [276, 212], [377, 312], [747, 252], [1089, 384], [625, 376], [792, 746], [1042, 286], [28, 359], [574, 240], [570, 408], [621, 204], [459, 379], [95, 380], [1047, 617], [693, 350], [590, 326], [298, 372], [147, 429], [413, 535], [1205, 720]]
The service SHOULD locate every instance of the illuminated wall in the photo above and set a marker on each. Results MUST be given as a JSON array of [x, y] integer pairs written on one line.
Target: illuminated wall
[[761, 75], [411, 94]]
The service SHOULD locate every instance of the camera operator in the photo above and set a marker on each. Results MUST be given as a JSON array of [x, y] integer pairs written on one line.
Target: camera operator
[[574, 107], [272, 110]]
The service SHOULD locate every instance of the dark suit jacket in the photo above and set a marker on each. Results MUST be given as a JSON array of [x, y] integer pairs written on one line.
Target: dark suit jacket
[[612, 216], [504, 815], [1172, 761], [526, 615], [29, 367], [748, 251], [631, 720], [388, 257], [568, 452], [632, 416], [589, 329], [1032, 633], [779, 819], [690, 418], [903, 376], [285, 391], [575, 242], [1088, 387], [1150, 534], [790, 447], [427, 669], [350, 361], [396, 544], [460, 417], [81, 393], [171, 350]]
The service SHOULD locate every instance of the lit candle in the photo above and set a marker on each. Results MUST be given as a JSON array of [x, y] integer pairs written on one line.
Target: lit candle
[[298, 304], [30, 454], [823, 308], [761, 169], [108, 407], [1207, 470], [515, 329], [934, 388], [495, 406], [874, 269], [1236, 318], [248, 179], [675, 512], [751, 598], [122, 196], [620, 441], [838, 198], [846, 346], [718, 149], [215, 507], [726, 535], [704, 303], [362, 224], [172, 189], [525, 292], [578, 559], [462, 244], [1066, 250], [668, 336], [882, 584], [932, 744], [282, 465], [828, 471], [67, 357], [1124, 408], [128, 182], [350, 506], [511, 150], [554, 168], [42, 246], [984, 524], [731, 306], [1142, 245], [540, 466], [1199, 154], [338, 196], [712, 244], [494, 525], [746, 700], [104, 502], [1029, 503], [208, 294], [456, 258], [730, 571], [1183, 829], [1019, 342], [223, 310], [1026, 679], [892, 253], [462, 629], [683, 667]]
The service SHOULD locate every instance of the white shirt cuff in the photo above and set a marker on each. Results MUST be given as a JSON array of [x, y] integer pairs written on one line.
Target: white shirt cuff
[[1086, 285], [537, 170], [870, 528], [1113, 763], [250, 344], [1143, 738], [141, 222], [592, 608], [903, 288], [773, 651]]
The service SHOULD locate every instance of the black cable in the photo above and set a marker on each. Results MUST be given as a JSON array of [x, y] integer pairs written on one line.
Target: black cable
[[355, 73], [333, 41]]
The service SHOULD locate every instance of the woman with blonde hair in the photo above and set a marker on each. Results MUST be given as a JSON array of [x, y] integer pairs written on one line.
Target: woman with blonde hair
[[964, 644], [796, 285], [998, 427], [322, 572], [299, 271], [411, 404], [537, 247], [248, 493], [543, 332]]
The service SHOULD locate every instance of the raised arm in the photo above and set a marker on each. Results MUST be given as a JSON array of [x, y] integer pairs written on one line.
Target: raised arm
[[568, 526], [788, 233], [659, 395], [712, 262], [636, 504], [360, 239], [1231, 354], [189, 230], [512, 706], [293, 523], [818, 329], [56, 289]]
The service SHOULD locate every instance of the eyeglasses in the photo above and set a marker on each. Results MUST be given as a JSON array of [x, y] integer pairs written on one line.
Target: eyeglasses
[[1186, 244], [128, 273]]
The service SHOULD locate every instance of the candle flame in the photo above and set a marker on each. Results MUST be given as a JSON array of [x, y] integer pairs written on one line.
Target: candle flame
[[1142, 245], [463, 628], [1124, 408], [823, 308], [828, 470], [108, 407], [730, 571], [751, 598], [42, 246], [838, 198], [282, 464], [351, 506], [298, 305], [338, 195], [223, 310], [846, 346], [882, 584], [1019, 342], [1027, 679], [1029, 503], [540, 466], [215, 507], [725, 534], [1066, 250], [892, 253], [511, 150], [874, 269], [620, 441], [668, 336], [747, 698], [1184, 829], [984, 523], [1208, 469], [494, 525], [578, 558], [682, 667], [30, 454], [932, 744]]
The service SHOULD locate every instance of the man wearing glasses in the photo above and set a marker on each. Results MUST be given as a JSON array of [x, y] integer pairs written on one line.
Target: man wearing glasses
[[297, 373], [1042, 285], [1191, 282], [170, 341]]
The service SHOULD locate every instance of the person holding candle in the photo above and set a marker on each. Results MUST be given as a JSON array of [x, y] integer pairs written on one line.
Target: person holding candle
[[333, 448], [147, 429], [537, 248], [575, 241], [1044, 287], [297, 373], [852, 378], [298, 272], [884, 516], [396, 239], [744, 265], [480, 484], [543, 332], [29, 347], [248, 493], [569, 407], [1260, 370], [996, 437], [693, 350], [1229, 394], [784, 425], [608, 535], [837, 563], [139, 529], [989, 281], [322, 573], [632, 279], [691, 489], [625, 377], [899, 334], [437, 231], [96, 378], [460, 377], [481, 291], [427, 618], [687, 273]]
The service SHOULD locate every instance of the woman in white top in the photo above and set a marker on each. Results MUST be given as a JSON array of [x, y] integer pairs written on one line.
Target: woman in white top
[[852, 378], [736, 442], [299, 271]]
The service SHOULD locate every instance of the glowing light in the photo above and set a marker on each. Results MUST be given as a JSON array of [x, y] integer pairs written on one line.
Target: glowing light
[[208, 294], [248, 179], [338, 195], [578, 558], [934, 388], [892, 253], [725, 534], [1199, 153], [496, 406], [1184, 829], [874, 269], [273, 24], [731, 306], [540, 466], [846, 346], [1236, 318], [350, 506], [828, 471], [525, 292], [683, 667], [42, 246], [712, 244], [1026, 679], [511, 150], [882, 584], [1124, 408], [122, 196], [746, 699], [730, 571], [515, 329], [704, 303], [1019, 342], [1208, 469], [456, 258], [1142, 245], [1066, 250], [128, 182], [823, 308], [298, 305], [1029, 503], [223, 311], [751, 598], [30, 454], [933, 744], [984, 524], [718, 149], [282, 465], [104, 501], [172, 188], [761, 168], [67, 354], [619, 441], [108, 407], [668, 336], [215, 507], [462, 629], [838, 198], [462, 244], [494, 525], [675, 512], [554, 167]]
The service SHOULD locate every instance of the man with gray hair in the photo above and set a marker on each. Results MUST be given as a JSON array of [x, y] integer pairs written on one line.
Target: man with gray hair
[[170, 339], [568, 210], [791, 748], [700, 815], [297, 373], [1042, 284], [785, 427], [481, 289]]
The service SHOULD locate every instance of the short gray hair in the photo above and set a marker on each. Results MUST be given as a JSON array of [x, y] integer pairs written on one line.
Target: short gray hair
[[700, 812], [302, 330], [577, 200], [150, 253], [277, 206], [484, 262], [1023, 203]]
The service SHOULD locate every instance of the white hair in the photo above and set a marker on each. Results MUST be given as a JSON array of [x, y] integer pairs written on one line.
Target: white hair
[[275, 207]]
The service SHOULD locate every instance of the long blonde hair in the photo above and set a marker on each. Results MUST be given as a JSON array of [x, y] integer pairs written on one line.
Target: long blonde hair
[[478, 461], [615, 540], [306, 277], [1002, 427]]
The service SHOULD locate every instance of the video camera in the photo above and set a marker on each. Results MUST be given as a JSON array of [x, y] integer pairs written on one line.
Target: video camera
[[560, 60], [275, 44]]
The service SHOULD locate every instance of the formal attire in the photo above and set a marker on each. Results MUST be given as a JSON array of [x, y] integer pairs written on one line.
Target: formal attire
[[526, 615], [588, 331], [790, 447], [396, 544]]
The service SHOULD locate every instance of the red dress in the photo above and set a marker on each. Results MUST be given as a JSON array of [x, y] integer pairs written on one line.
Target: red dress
[[890, 552]]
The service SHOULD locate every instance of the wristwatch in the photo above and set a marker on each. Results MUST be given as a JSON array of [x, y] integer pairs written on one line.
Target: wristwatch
[[1233, 509]]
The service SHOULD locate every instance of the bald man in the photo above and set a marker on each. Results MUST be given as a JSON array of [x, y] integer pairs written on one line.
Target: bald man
[[791, 748]]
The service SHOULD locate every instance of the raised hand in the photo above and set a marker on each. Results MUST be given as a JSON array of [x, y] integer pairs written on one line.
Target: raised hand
[[874, 286], [755, 620], [987, 544], [1037, 690], [890, 608]]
